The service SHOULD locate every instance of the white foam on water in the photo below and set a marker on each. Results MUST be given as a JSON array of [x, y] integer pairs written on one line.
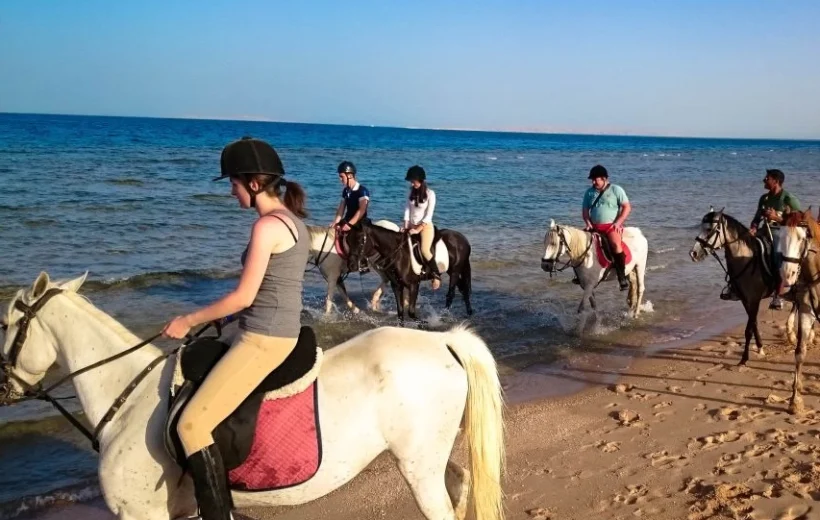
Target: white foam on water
[[656, 267], [33, 503]]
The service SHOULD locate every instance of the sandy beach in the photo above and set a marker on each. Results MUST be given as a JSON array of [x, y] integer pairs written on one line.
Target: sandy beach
[[684, 434]]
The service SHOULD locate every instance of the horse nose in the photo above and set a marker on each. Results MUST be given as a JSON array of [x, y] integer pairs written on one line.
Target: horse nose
[[693, 256], [546, 265]]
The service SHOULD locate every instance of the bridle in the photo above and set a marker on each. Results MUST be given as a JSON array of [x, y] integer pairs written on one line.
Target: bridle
[[709, 243], [377, 260], [36, 392], [563, 245]]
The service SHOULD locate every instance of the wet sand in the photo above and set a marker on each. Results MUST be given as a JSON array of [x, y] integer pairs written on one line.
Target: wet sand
[[684, 434]]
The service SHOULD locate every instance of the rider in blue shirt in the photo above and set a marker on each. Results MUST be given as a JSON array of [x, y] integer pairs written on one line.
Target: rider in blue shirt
[[352, 209]]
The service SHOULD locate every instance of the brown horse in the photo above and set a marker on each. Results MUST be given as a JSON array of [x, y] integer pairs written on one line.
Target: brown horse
[[800, 273]]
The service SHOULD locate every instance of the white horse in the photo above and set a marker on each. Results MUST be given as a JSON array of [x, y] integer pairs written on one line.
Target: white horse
[[389, 389], [576, 245], [333, 267]]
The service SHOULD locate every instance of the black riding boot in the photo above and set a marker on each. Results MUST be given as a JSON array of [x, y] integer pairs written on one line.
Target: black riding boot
[[620, 270], [211, 484]]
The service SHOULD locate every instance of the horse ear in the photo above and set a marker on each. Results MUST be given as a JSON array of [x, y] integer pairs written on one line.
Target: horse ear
[[75, 284], [721, 210], [39, 287], [552, 224], [711, 209]]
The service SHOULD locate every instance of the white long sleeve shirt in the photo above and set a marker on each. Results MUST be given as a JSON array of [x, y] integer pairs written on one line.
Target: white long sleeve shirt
[[423, 213]]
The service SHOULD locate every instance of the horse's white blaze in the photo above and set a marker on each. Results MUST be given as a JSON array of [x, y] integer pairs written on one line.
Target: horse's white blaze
[[791, 241], [387, 389]]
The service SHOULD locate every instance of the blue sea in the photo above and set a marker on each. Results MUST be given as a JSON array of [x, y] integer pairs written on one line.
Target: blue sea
[[130, 200]]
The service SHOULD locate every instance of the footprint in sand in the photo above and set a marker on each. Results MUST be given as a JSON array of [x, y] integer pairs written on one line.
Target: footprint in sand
[[664, 460], [700, 407], [539, 513], [713, 441], [634, 494], [663, 404], [608, 447], [674, 389], [643, 397]]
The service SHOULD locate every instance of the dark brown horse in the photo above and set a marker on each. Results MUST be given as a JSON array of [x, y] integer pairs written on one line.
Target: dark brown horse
[[388, 251]]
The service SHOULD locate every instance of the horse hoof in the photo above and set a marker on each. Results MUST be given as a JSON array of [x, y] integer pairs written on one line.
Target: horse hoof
[[355, 310], [796, 406], [743, 362]]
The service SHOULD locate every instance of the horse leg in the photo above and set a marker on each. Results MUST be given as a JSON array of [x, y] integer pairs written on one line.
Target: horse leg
[[375, 300], [751, 325], [804, 324], [790, 332], [457, 482], [451, 289], [465, 285], [330, 275], [350, 305], [398, 292], [756, 333], [592, 302], [632, 295], [587, 296], [413, 296]]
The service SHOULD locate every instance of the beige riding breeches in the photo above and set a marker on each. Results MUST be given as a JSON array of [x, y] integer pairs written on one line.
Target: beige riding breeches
[[251, 358]]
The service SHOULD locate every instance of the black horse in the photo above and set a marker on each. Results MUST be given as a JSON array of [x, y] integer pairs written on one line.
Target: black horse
[[387, 251], [749, 270]]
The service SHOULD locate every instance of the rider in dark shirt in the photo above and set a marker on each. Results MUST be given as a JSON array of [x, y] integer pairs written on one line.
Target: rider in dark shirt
[[352, 209]]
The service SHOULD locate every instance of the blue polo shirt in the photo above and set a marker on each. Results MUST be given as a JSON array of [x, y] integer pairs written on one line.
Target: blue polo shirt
[[352, 196], [606, 209]]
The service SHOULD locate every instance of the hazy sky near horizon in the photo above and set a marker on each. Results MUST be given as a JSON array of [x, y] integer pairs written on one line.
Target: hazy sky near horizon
[[744, 68]]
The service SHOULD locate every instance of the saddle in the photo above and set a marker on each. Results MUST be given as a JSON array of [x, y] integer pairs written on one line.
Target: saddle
[[768, 265], [415, 245], [604, 250], [275, 428]]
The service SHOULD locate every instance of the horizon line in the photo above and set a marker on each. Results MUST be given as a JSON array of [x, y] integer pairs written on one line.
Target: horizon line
[[526, 130]]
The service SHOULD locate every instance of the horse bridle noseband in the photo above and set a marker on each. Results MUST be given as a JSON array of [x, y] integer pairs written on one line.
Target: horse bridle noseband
[[710, 242], [37, 392]]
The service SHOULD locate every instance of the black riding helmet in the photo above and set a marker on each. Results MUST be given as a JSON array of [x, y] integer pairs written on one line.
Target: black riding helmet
[[598, 171], [346, 167], [415, 173], [248, 156]]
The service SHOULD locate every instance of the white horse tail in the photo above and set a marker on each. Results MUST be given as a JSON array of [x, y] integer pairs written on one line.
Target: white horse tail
[[483, 421]]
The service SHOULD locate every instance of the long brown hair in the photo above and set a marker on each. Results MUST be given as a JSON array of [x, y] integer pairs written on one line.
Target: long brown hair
[[294, 197], [419, 195]]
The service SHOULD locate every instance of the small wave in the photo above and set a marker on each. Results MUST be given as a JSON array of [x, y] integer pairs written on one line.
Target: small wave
[[125, 182], [79, 493], [41, 222], [663, 250], [492, 158], [159, 278], [656, 267], [210, 196]]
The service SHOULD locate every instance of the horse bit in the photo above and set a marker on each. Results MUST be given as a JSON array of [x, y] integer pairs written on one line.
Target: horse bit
[[36, 392]]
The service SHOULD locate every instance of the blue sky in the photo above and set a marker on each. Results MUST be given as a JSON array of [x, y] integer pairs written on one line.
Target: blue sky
[[702, 68]]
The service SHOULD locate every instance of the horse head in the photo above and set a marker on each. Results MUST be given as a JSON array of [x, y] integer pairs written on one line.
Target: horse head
[[794, 243], [712, 235], [555, 246], [29, 350]]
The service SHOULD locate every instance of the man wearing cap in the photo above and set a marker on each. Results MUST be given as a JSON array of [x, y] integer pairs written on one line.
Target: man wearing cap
[[352, 209], [605, 209]]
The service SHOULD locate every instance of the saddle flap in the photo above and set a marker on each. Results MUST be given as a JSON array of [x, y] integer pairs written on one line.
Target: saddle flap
[[235, 434]]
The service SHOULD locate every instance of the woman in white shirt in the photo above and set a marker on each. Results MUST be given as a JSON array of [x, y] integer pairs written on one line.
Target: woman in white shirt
[[418, 218]]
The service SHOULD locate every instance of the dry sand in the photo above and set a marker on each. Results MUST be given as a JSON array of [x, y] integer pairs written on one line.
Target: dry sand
[[686, 434]]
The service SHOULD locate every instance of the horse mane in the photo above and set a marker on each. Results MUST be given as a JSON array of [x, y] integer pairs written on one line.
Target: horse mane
[[795, 218], [742, 229], [814, 229], [320, 231], [126, 335], [577, 242]]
